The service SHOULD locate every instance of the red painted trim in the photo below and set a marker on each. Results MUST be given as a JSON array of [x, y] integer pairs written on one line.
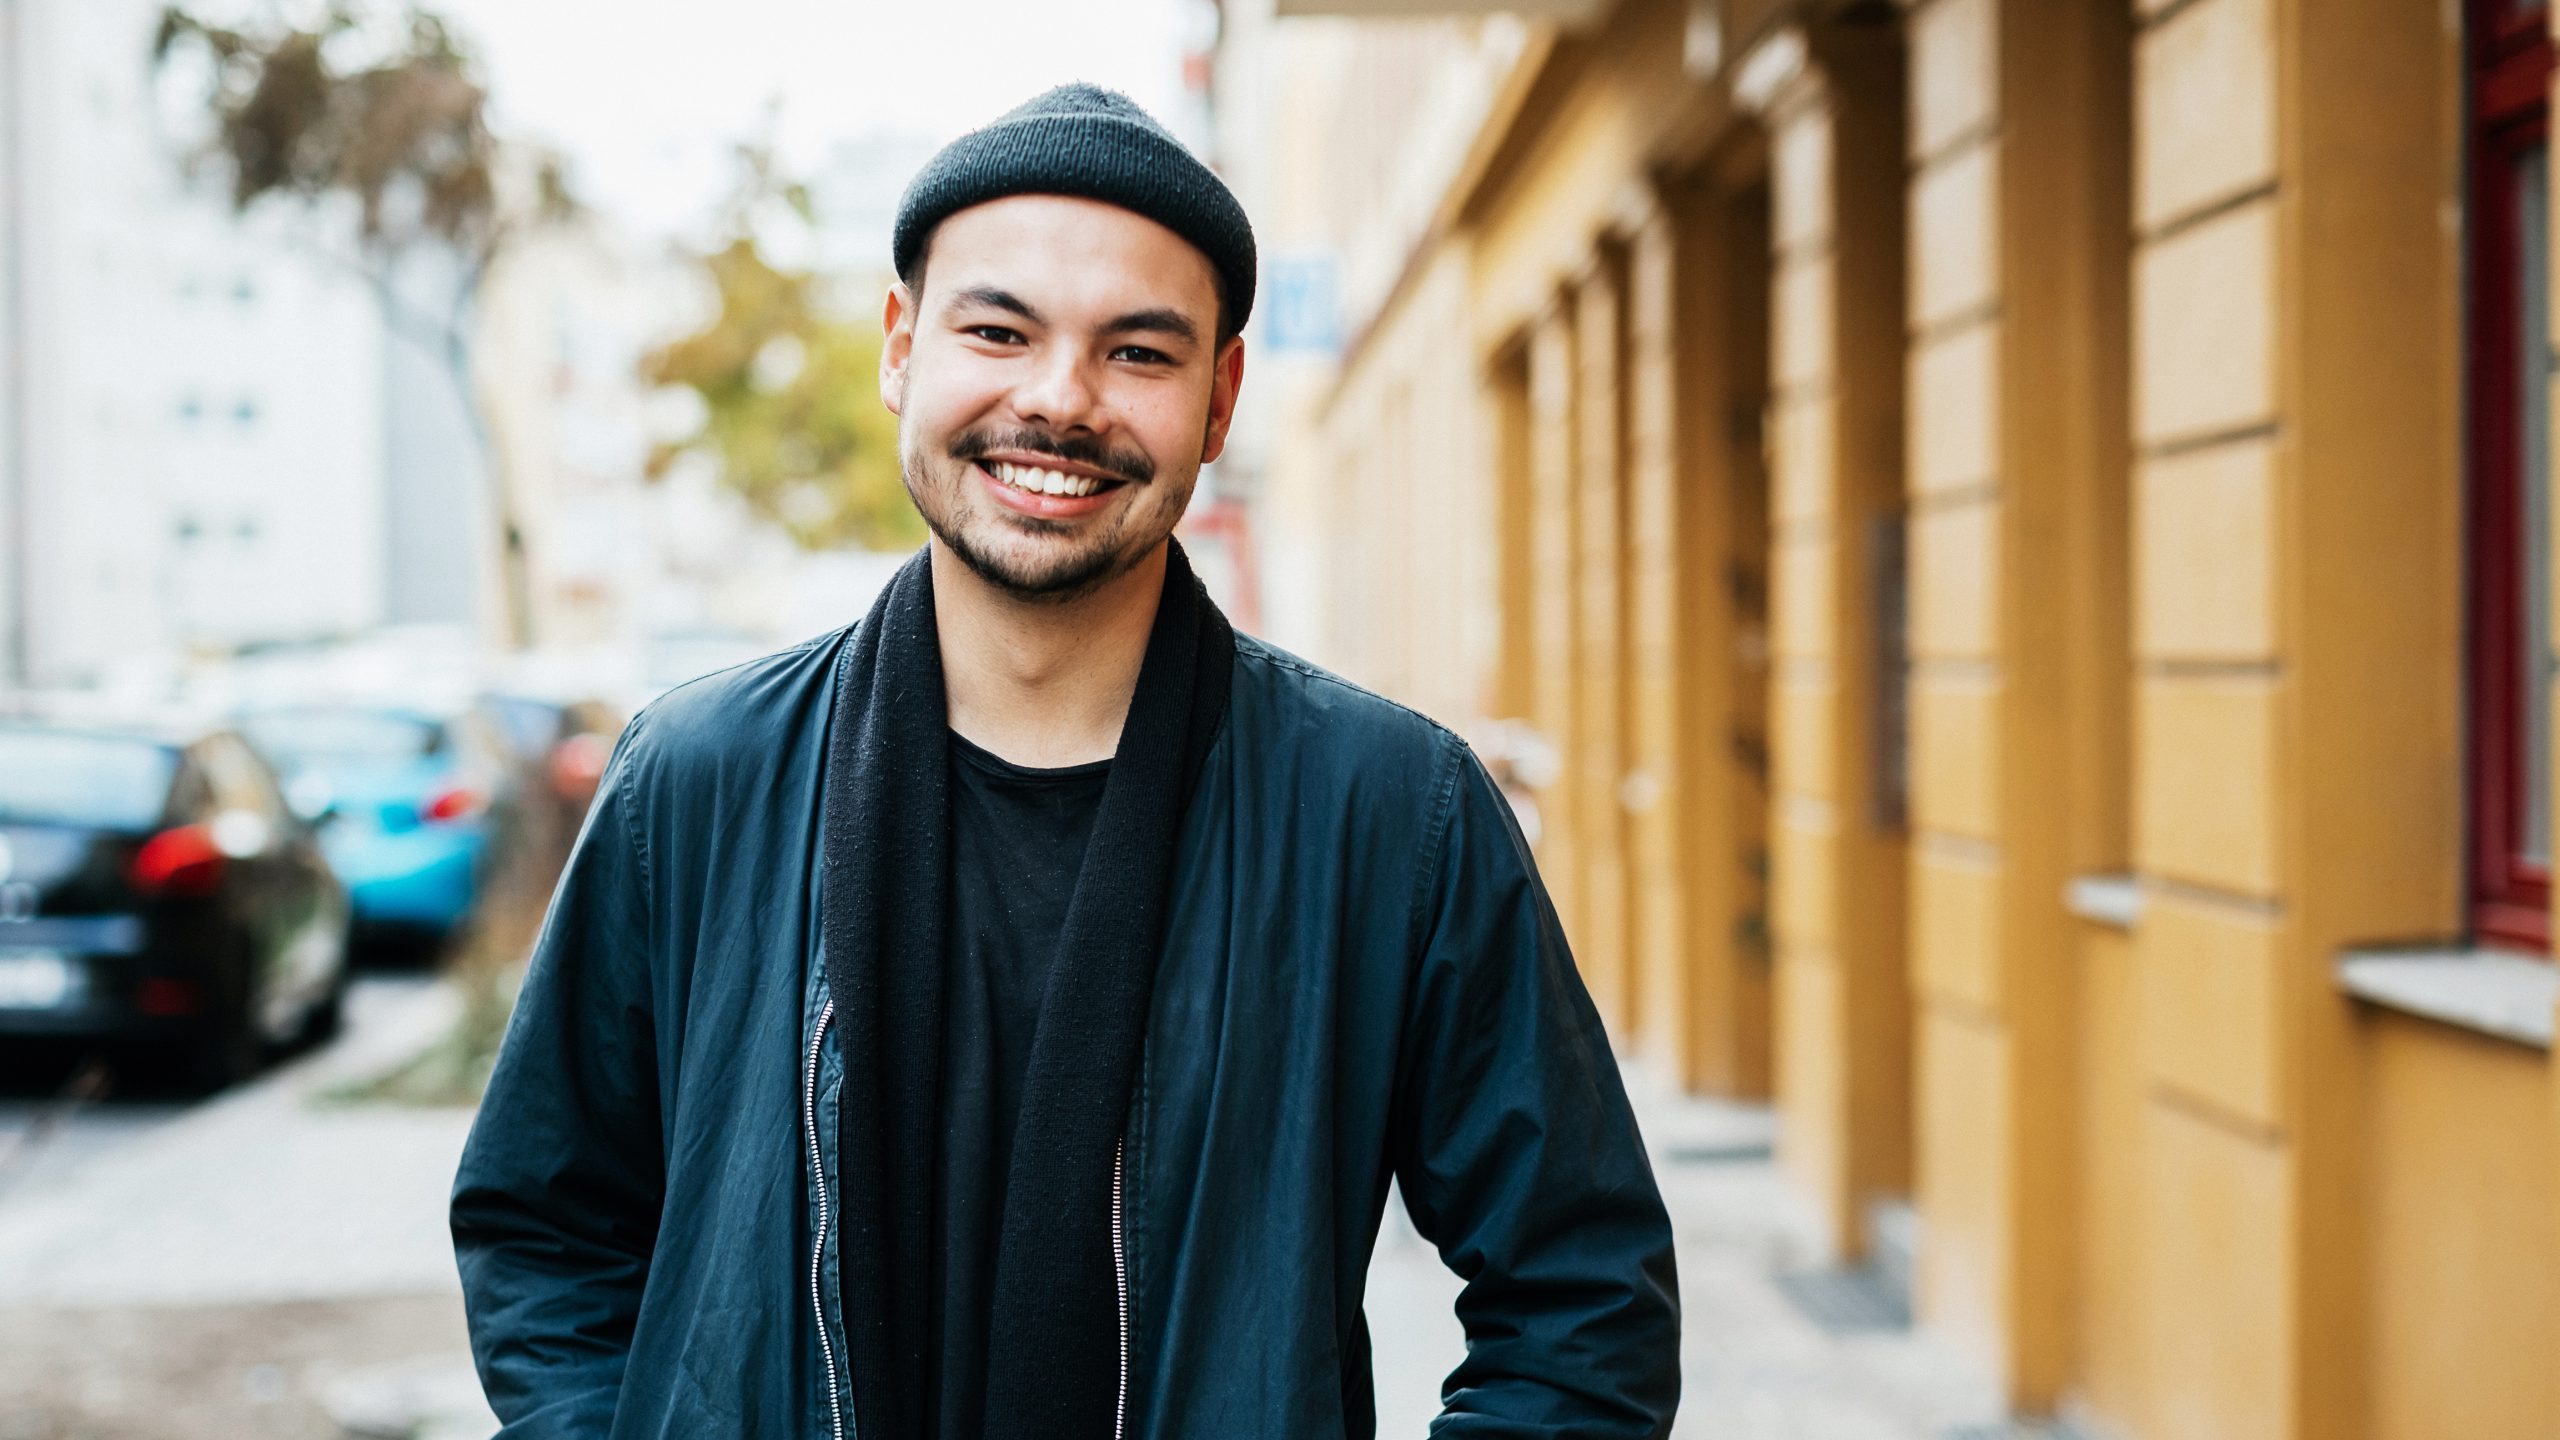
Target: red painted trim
[[2511, 69], [1229, 525]]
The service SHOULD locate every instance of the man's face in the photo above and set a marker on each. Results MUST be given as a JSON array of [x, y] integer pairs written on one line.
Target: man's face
[[1058, 385]]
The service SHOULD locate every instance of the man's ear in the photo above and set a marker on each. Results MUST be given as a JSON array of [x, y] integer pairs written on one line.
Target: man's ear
[[898, 342], [1226, 381]]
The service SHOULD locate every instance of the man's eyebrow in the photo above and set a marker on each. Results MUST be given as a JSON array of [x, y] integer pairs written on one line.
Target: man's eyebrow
[[1162, 321], [995, 299]]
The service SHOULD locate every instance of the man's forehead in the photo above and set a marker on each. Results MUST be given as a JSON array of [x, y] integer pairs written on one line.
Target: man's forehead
[[1074, 251]]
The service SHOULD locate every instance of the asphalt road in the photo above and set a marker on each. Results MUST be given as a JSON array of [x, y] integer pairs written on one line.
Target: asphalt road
[[65, 1106]]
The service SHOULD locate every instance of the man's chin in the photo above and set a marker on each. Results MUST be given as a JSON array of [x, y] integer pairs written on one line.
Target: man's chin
[[1035, 578]]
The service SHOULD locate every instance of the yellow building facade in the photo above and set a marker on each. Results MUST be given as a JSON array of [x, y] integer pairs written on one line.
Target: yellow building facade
[[1988, 506]]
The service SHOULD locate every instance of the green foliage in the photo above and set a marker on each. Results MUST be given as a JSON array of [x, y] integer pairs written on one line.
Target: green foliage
[[389, 113], [790, 393]]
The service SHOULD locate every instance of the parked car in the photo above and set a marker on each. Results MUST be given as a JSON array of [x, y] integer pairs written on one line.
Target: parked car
[[156, 890], [411, 798], [557, 751]]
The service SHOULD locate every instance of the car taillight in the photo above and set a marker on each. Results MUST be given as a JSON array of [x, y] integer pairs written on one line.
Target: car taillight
[[164, 997], [184, 861], [577, 763], [459, 803]]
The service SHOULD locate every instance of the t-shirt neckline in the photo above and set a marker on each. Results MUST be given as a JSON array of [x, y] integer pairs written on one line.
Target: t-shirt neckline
[[995, 764]]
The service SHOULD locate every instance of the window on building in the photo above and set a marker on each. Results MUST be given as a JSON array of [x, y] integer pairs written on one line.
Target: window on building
[[2510, 373]]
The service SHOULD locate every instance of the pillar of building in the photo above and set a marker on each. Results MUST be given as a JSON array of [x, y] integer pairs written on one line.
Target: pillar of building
[[1695, 315], [2015, 143], [1831, 98], [1553, 563], [1504, 399], [2297, 684], [1599, 755]]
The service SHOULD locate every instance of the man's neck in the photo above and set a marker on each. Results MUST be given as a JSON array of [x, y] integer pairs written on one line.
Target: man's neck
[[1042, 685]]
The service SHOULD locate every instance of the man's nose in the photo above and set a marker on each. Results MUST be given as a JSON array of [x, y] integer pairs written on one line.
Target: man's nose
[[1059, 392]]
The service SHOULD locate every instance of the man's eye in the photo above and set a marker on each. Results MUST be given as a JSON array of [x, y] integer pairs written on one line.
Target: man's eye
[[995, 334], [1140, 354]]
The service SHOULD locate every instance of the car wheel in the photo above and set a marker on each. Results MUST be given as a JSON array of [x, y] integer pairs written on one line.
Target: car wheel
[[220, 1056], [327, 1015], [227, 1049]]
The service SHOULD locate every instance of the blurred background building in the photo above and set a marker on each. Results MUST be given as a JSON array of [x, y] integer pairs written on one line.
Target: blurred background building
[[193, 409], [2007, 541]]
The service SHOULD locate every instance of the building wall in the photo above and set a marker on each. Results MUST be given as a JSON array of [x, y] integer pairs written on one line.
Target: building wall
[[1301, 105], [2140, 321], [13, 356], [1621, 313], [2460, 1294], [202, 401]]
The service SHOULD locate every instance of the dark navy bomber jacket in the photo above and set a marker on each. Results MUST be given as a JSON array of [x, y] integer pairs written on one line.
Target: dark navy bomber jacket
[[1362, 979]]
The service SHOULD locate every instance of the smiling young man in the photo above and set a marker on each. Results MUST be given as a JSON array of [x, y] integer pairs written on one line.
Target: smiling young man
[[1004, 1017]]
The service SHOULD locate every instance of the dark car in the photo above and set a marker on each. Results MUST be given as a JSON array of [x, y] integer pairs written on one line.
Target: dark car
[[157, 893]]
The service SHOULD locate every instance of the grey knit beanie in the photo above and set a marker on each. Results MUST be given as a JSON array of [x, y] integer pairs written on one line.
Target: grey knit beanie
[[1084, 140]]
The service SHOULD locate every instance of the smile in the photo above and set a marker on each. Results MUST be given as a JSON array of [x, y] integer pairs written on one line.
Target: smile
[[1037, 480]]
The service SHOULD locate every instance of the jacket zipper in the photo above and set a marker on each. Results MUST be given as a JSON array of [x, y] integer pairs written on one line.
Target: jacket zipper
[[818, 1251], [1120, 1277]]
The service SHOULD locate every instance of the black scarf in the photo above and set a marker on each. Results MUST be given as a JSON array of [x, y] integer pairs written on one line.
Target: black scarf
[[1053, 1361]]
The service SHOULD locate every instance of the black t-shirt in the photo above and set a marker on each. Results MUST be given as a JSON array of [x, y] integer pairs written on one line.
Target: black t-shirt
[[1017, 840]]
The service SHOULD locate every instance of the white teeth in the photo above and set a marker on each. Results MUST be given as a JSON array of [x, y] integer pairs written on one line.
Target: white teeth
[[1041, 481]]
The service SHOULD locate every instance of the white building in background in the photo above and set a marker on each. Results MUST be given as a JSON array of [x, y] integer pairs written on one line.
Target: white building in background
[[440, 535], [13, 366], [192, 436]]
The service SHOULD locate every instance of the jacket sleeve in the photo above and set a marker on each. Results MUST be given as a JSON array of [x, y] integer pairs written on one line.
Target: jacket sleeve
[[555, 1210], [1519, 1157]]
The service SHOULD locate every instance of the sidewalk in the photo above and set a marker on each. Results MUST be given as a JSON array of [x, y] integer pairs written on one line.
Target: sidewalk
[[1754, 1367], [261, 1264], [264, 1265], [265, 1193]]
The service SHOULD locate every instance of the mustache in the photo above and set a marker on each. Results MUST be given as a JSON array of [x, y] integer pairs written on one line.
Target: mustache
[[1129, 465]]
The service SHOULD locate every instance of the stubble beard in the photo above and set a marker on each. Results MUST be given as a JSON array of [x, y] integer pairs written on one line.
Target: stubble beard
[[1060, 576]]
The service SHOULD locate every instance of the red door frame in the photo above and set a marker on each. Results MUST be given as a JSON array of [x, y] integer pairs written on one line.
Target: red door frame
[[2511, 66]]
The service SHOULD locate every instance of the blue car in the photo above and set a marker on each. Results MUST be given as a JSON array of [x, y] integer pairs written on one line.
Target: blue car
[[403, 800]]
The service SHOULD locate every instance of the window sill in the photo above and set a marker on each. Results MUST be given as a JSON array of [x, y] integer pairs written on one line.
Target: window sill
[[2111, 900], [2493, 992]]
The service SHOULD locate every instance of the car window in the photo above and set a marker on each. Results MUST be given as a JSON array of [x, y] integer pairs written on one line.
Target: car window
[[191, 795], [529, 726], [69, 777], [240, 781]]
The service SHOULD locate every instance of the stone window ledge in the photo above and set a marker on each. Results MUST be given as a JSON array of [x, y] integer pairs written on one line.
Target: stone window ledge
[[2114, 900], [2493, 992]]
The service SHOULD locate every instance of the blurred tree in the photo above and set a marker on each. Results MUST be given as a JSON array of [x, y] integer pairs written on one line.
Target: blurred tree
[[383, 110], [791, 412]]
